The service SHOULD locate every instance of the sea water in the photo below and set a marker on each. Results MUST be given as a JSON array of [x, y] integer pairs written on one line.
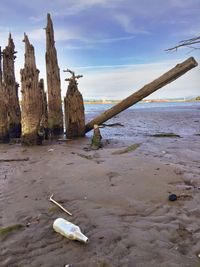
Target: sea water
[[151, 118]]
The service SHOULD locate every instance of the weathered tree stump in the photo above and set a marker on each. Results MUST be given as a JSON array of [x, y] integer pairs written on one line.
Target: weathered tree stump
[[96, 139], [31, 98], [74, 109], [0, 68], [55, 114], [4, 129], [11, 89], [44, 131]]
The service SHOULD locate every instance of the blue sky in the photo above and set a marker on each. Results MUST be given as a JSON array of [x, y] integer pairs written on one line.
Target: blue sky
[[118, 45]]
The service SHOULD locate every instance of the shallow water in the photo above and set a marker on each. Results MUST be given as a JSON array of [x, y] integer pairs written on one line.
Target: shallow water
[[142, 121], [90, 108], [151, 118]]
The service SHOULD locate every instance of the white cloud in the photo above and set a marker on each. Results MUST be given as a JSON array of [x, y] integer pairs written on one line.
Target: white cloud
[[37, 35], [74, 34], [183, 4], [60, 34], [61, 8], [127, 23], [4, 33]]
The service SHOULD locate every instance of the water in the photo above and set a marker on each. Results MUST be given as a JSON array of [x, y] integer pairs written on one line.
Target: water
[[145, 119], [94, 108], [141, 122]]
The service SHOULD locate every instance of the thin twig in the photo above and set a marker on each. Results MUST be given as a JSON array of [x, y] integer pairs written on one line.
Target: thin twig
[[60, 206], [8, 160]]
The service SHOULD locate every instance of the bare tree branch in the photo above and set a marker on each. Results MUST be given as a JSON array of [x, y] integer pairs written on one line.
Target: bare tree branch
[[73, 77], [186, 43]]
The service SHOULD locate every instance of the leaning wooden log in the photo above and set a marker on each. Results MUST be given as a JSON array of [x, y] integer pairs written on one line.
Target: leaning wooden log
[[55, 114], [74, 109], [148, 89], [11, 89], [31, 97]]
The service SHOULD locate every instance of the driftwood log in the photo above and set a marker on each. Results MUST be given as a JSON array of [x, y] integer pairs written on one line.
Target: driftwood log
[[11, 160], [55, 114], [148, 89], [74, 108], [11, 89], [31, 98]]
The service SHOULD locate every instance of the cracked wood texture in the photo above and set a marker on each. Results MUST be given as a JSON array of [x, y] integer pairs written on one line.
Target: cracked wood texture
[[74, 110], [11, 89], [148, 89], [4, 129], [43, 108], [55, 114], [32, 98]]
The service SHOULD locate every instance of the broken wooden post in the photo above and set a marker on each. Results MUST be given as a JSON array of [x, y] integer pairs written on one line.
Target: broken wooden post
[[4, 129], [55, 114], [96, 138], [148, 89], [11, 89], [31, 97], [0, 67], [74, 108]]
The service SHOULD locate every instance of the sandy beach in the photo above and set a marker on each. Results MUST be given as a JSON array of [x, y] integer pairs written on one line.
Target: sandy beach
[[118, 196]]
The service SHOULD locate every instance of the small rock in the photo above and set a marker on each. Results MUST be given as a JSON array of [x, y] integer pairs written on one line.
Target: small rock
[[172, 197]]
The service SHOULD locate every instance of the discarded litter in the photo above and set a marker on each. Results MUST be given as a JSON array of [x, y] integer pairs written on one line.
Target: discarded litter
[[182, 196], [172, 197], [51, 150], [69, 230]]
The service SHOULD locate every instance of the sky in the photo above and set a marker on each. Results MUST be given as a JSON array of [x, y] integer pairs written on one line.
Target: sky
[[117, 45]]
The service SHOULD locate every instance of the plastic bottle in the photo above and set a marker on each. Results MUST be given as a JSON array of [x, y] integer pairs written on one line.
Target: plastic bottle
[[69, 230]]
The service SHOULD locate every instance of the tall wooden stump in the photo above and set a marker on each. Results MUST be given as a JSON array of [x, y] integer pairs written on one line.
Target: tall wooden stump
[[31, 98], [0, 67], [44, 132], [11, 89], [4, 129], [55, 114], [74, 109]]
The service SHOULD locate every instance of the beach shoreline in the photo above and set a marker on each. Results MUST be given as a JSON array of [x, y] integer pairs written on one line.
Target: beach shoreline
[[119, 200]]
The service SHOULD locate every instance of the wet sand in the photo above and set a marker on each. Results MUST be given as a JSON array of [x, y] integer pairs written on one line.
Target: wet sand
[[120, 201]]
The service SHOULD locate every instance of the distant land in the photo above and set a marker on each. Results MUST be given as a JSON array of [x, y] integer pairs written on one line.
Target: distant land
[[110, 101]]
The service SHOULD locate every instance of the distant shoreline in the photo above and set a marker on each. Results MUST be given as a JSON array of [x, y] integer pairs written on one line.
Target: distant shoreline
[[103, 102]]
